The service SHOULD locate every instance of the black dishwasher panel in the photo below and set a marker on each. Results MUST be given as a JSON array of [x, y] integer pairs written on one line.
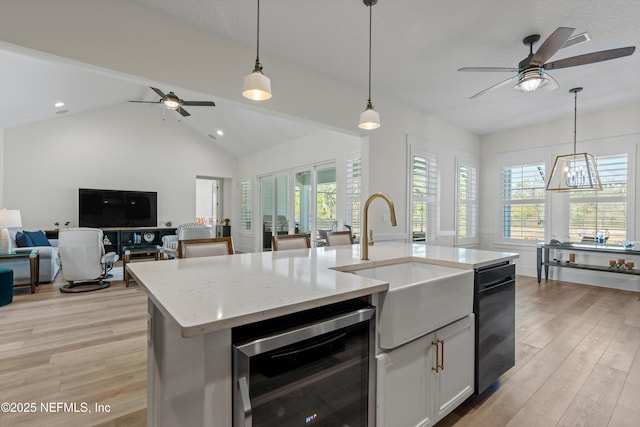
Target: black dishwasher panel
[[495, 310], [489, 276]]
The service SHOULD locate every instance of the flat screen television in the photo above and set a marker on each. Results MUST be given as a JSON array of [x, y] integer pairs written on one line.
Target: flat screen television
[[117, 208]]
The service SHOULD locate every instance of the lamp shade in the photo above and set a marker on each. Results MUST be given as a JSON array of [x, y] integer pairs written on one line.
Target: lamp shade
[[257, 86], [369, 119], [574, 172], [10, 218]]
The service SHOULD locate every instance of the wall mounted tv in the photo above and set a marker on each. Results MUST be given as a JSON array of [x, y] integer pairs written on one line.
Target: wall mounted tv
[[117, 208]]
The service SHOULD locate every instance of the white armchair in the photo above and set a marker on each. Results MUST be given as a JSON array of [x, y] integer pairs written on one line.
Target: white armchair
[[83, 259], [191, 230]]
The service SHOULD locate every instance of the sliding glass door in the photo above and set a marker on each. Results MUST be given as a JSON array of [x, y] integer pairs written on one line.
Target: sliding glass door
[[274, 207], [308, 205]]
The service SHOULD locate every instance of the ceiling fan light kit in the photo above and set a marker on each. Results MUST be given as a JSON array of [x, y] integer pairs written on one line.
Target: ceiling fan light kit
[[577, 171], [369, 118], [257, 86], [171, 101]]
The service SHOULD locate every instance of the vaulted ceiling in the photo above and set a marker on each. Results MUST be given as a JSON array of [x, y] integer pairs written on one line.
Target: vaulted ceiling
[[418, 45]]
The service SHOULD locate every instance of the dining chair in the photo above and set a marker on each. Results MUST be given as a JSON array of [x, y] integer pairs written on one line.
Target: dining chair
[[290, 241], [338, 238], [192, 248]]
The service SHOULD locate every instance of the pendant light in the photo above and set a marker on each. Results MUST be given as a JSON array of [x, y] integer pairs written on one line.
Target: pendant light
[[577, 171], [369, 118], [257, 86]]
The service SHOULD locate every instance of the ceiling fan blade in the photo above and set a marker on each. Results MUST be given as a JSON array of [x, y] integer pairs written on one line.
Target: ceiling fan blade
[[199, 103], [159, 92], [551, 45], [183, 112], [490, 69], [495, 86], [589, 58], [146, 102]]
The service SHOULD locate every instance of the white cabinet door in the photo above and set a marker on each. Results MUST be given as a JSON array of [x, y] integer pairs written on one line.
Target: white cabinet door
[[422, 381], [404, 396], [453, 381]]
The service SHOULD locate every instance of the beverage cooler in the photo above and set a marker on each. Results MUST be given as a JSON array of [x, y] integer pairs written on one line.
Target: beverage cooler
[[309, 368]]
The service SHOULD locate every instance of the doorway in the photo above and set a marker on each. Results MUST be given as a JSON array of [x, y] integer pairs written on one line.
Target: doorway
[[208, 200]]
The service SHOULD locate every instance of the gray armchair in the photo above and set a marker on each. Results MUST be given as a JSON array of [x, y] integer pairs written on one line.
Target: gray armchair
[[191, 230]]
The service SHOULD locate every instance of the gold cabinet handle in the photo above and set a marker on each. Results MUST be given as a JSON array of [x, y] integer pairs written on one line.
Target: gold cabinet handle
[[439, 355]]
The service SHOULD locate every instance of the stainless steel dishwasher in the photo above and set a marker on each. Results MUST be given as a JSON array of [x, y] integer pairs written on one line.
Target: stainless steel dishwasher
[[495, 310]]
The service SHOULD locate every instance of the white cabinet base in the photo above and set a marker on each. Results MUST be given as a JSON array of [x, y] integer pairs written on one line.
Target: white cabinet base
[[413, 387], [188, 379]]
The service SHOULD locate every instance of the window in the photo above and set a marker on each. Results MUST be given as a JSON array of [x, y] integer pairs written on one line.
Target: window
[[424, 196], [245, 205], [606, 210], [523, 202], [353, 193], [467, 204]]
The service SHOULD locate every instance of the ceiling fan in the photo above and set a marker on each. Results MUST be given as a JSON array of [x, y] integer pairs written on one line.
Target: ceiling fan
[[531, 73], [172, 102]]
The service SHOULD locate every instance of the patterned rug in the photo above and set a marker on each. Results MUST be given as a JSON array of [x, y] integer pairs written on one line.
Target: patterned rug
[[115, 275]]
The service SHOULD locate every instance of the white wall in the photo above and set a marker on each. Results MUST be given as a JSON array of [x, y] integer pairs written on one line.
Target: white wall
[[121, 147], [216, 66], [596, 133]]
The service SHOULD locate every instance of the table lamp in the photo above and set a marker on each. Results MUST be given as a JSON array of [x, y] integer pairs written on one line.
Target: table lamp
[[8, 218]]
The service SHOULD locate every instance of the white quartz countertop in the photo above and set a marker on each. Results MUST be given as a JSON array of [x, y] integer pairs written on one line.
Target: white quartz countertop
[[208, 294]]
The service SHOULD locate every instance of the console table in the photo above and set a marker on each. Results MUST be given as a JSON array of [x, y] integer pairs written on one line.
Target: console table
[[34, 266], [116, 238], [542, 258], [153, 250]]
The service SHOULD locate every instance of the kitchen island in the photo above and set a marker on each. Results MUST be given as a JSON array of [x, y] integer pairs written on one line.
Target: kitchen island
[[195, 303]]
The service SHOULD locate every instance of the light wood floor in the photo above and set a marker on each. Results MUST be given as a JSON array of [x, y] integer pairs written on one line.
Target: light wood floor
[[577, 358], [577, 361], [75, 348]]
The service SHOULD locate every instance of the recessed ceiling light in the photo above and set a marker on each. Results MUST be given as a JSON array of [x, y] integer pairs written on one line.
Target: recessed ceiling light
[[220, 132], [59, 104]]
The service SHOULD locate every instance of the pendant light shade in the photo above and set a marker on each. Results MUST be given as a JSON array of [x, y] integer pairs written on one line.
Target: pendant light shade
[[369, 118], [577, 171], [257, 86]]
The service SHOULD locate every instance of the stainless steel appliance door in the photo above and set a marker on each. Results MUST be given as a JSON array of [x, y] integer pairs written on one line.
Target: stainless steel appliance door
[[318, 374]]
